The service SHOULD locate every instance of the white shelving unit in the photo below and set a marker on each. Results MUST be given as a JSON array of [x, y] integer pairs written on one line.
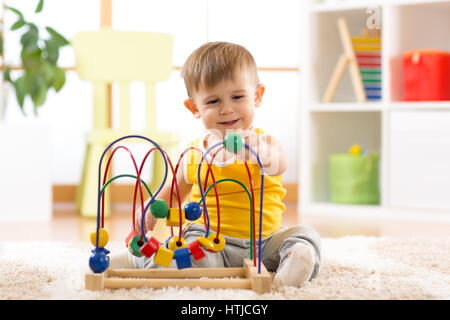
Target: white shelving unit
[[412, 138]]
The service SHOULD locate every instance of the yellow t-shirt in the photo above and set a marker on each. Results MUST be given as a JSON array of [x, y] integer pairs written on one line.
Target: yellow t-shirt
[[235, 213]]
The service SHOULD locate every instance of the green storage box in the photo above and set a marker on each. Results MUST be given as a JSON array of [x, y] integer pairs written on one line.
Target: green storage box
[[354, 178]]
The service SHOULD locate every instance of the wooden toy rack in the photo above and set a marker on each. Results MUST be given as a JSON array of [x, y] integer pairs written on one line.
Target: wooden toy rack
[[348, 57], [249, 278]]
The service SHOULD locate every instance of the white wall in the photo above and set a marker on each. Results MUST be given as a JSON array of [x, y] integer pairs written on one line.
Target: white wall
[[269, 29]]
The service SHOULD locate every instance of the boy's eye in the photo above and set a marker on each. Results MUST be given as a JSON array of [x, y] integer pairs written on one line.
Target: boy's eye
[[213, 101], [238, 97]]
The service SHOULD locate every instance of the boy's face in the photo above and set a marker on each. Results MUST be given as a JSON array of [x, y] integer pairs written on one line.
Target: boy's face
[[229, 106]]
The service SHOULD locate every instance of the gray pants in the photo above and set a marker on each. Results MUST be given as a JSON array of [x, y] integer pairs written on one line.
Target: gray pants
[[275, 249]]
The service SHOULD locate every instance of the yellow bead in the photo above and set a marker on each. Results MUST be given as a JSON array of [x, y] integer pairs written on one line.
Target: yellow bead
[[355, 150], [103, 238], [163, 257], [206, 243], [259, 131], [175, 244], [173, 220], [219, 243]]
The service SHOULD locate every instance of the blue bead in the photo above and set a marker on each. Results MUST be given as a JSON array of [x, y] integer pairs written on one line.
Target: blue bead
[[183, 258], [193, 211], [98, 262], [104, 250]]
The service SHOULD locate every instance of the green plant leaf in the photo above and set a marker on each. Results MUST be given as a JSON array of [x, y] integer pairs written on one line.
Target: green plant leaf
[[48, 72], [57, 37], [29, 39], [38, 89], [31, 58], [51, 50], [59, 79], [7, 75], [16, 12], [40, 97], [20, 86], [39, 6], [18, 24]]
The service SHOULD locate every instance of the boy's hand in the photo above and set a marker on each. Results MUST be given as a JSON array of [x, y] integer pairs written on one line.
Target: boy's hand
[[254, 141], [223, 155], [269, 151], [150, 220], [267, 148]]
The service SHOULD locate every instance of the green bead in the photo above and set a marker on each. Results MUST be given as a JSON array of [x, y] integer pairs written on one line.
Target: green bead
[[135, 245], [159, 209], [233, 142]]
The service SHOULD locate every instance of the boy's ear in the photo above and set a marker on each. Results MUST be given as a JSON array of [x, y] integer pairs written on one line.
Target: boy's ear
[[192, 107], [259, 92]]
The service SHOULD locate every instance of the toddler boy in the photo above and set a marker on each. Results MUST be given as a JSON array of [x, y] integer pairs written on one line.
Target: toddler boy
[[223, 91]]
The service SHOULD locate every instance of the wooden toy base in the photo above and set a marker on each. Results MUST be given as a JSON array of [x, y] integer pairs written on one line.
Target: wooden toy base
[[189, 277]]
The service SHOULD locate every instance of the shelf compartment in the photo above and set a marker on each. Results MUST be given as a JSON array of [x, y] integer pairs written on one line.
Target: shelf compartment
[[415, 26], [335, 132], [419, 159], [326, 47]]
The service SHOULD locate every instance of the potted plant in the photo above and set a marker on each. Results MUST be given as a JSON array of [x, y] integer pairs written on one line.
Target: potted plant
[[28, 144], [39, 56]]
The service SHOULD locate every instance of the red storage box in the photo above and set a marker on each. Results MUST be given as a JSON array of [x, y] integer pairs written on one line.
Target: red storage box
[[426, 75]]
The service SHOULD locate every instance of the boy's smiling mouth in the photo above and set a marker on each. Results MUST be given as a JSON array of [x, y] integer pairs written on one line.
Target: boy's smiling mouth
[[229, 123]]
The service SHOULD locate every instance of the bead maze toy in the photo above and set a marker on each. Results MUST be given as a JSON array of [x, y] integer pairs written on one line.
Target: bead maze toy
[[253, 275]]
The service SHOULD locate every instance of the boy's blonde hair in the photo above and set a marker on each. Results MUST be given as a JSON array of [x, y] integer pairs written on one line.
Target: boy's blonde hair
[[214, 62]]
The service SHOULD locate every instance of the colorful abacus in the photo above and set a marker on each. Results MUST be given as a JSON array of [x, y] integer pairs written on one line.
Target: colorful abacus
[[175, 247], [368, 55]]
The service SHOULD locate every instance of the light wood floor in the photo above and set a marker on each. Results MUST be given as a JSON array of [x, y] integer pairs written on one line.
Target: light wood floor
[[68, 225]]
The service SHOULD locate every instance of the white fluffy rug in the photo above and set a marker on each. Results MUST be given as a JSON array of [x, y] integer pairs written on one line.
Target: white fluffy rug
[[353, 267]]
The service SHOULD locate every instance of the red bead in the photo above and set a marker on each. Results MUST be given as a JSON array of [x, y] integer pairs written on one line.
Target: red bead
[[196, 250], [150, 247], [130, 236]]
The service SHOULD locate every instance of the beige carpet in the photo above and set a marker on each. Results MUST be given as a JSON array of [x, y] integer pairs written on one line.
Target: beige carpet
[[353, 267]]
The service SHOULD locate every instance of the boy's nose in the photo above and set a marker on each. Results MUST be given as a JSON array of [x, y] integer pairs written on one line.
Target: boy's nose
[[226, 108]]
